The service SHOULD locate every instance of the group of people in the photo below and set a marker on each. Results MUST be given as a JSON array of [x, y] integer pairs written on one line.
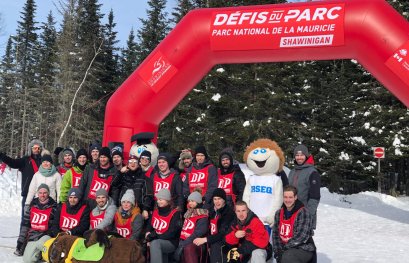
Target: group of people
[[189, 212]]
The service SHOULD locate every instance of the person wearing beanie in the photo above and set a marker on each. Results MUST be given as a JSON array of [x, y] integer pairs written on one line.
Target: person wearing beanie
[[163, 237], [128, 220], [220, 218], [195, 225], [27, 165], [230, 178], [166, 177], [117, 157], [74, 214], [249, 238], [305, 177], [185, 161], [145, 163], [66, 159], [102, 215], [47, 174], [102, 174], [132, 177], [93, 150], [34, 233], [72, 177], [201, 175]]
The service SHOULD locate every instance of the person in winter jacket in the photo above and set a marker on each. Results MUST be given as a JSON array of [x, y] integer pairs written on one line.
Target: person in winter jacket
[[128, 220], [163, 230], [102, 216], [145, 162], [27, 165], [196, 224], [201, 175], [66, 160], [221, 218], [73, 214], [248, 237], [307, 180], [39, 221], [166, 177], [185, 162], [99, 175], [72, 177], [93, 151], [118, 157], [132, 177], [47, 174], [230, 178], [292, 231]]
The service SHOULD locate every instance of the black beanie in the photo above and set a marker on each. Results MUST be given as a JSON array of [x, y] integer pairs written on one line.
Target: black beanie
[[201, 149], [58, 150], [146, 153], [47, 158], [105, 151], [219, 192], [117, 150], [82, 151]]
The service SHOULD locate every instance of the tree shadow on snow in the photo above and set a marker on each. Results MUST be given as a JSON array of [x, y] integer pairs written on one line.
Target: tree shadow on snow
[[322, 258]]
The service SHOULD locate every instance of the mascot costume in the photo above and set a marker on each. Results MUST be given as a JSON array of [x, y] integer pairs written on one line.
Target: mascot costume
[[264, 189], [143, 141]]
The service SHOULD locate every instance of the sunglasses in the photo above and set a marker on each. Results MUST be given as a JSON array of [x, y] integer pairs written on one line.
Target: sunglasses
[[36, 148], [133, 161]]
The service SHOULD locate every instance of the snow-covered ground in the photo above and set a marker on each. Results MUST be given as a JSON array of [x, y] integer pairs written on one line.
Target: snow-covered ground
[[365, 227]]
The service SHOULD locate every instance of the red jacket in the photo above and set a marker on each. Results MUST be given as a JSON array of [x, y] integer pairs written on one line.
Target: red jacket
[[256, 235]]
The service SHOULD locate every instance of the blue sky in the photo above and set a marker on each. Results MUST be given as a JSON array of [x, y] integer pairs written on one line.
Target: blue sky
[[126, 14]]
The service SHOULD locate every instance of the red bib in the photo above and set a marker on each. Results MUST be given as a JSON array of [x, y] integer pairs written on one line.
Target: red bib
[[34, 165], [75, 178], [95, 220], [161, 223], [159, 183], [98, 183], [69, 221], [124, 230], [213, 225], [149, 172], [286, 226], [189, 226], [39, 218], [198, 179]]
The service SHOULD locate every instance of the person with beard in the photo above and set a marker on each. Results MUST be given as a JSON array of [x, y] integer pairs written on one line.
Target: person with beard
[[73, 176], [166, 177], [163, 230], [201, 175], [230, 178], [221, 218], [117, 157], [132, 177], [66, 159], [99, 175], [307, 180], [196, 224], [185, 161], [248, 237], [292, 230], [102, 216], [73, 214], [34, 232], [27, 165]]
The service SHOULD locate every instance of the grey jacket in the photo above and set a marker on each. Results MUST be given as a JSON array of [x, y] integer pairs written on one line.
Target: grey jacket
[[307, 180]]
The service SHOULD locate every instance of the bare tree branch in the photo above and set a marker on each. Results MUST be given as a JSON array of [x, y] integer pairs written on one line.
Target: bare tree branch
[[97, 51]]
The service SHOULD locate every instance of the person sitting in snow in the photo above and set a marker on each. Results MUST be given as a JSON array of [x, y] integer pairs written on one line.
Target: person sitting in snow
[[292, 230], [307, 180]]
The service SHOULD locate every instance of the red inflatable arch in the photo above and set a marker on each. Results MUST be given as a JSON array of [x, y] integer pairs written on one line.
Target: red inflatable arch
[[370, 31]]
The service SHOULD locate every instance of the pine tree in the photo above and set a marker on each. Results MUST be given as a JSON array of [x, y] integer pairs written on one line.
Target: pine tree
[[129, 56], [154, 28]]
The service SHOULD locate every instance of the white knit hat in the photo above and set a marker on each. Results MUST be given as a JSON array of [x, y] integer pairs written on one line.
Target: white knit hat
[[129, 196]]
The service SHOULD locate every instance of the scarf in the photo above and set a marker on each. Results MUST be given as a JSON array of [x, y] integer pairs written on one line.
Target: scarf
[[47, 172], [124, 215], [196, 212]]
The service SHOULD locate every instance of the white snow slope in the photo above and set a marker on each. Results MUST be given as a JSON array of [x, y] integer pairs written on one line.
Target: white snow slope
[[364, 227]]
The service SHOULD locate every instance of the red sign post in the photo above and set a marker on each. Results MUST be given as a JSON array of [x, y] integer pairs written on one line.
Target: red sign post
[[379, 153]]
